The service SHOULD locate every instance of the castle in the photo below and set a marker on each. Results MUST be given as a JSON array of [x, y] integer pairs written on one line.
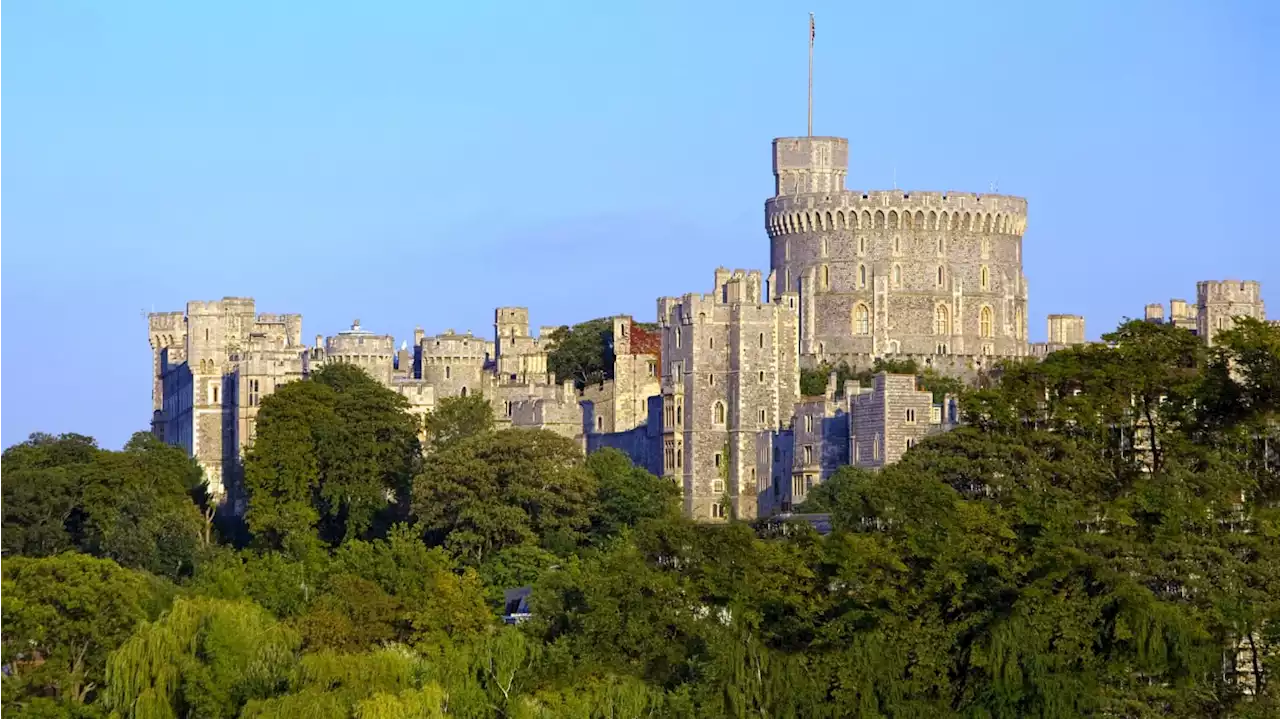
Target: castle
[[711, 398]]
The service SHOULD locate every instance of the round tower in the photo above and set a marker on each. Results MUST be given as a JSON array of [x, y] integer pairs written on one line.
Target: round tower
[[454, 364], [930, 275]]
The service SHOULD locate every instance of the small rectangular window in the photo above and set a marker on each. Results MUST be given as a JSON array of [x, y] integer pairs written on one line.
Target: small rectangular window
[[911, 416], [718, 459]]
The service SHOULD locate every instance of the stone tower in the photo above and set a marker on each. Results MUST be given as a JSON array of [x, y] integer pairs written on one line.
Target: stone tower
[[1219, 302], [730, 372], [1066, 330], [933, 275]]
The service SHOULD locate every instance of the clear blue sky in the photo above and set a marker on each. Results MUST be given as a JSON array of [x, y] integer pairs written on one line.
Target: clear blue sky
[[419, 163]]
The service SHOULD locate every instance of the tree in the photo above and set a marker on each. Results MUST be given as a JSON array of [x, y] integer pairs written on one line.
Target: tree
[[332, 459], [583, 353], [135, 506], [204, 657], [62, 616], [506, 488], [456, 418], [628, 494]]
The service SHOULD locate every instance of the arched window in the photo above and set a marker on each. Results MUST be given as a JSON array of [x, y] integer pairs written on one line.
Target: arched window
[[941, 321], [984, 321], [718, 411], [826, 277], [464, 391], [897, 275], [985, 278], [861, 320], [862, 276]]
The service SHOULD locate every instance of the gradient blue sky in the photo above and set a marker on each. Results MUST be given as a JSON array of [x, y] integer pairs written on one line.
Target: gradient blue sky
[[419, 163]]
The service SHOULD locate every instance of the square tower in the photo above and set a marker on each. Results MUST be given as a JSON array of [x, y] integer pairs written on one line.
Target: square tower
[[809, 164], [1221, 301]]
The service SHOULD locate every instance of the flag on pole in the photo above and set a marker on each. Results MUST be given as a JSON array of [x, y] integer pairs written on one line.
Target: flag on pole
[[811, 30]]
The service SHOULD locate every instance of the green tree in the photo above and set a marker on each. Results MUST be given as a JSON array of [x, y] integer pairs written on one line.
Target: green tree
[[503, 489], [62, 616], [583, 353], [136, 506], [628, 494], [204, 657], [456, 418], [333, 458]]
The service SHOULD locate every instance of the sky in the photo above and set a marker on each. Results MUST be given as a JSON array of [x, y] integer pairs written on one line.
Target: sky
[[421, 163]]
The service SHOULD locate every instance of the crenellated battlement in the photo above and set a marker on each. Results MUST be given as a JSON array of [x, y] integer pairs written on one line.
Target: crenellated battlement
[[896, 210], [1227, 291]]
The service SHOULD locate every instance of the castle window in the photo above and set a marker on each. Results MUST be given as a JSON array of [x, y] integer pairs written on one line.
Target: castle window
[[823, 247], [941, 276], [447, 372], [862, 245], [653, 369], [508, 411], [911, 442], [762, 417], [215, 394], [897, 245], [206, 335], [861, 320], [826, 277], [911, 415], [718, 459], [897, 275], [464, 391], [711, 342], [941, 321], [786, 250], [808, 454], [808, 423], [986, 248], [679, 413], [679, 456], [599, 424], [942, 246], [984, 322], [984, 278], [941, 348], [717, 510], [711, 380], [761, 339], [718, 413], [862, 276], [761, 376]]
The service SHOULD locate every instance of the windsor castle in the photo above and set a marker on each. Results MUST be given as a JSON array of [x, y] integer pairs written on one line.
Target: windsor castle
[[710, 399]]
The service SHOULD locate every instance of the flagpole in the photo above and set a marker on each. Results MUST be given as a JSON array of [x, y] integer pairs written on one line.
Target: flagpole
[[811, 31]]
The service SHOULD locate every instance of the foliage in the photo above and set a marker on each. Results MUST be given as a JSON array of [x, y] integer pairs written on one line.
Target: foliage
[[333, 459], [503, 489], [62, 616], [205, 657], [628, 494], [583, 353], [813, 381], [457, 418], [134, 506]]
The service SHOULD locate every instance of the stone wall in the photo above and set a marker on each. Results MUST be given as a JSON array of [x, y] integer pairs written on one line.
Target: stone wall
[[643, 444]]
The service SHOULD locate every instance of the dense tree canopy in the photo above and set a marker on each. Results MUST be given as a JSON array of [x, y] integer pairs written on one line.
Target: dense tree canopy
[[333, 455], [1101, 537]]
